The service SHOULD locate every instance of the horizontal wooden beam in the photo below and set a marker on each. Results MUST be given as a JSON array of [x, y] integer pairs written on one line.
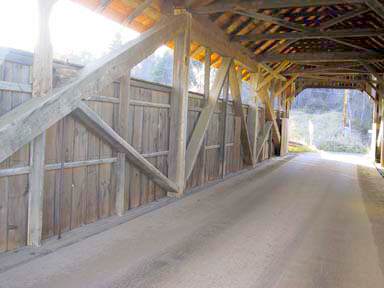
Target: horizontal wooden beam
[[376, 6], [149, 104], [208, 34], [344, 33], [77, 164], [56, 166], [331, 79], [344, 17], [138, 10], [274, 20], [21, 125], [93, 121], [15, 171], [230, 5], [320, 57], [371, 69], [103, 99], [15, 87]]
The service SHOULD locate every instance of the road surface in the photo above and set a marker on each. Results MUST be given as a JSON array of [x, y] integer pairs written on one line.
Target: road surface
[[309, 221]]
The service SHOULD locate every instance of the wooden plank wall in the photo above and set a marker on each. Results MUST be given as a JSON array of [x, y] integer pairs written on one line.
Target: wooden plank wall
[[88, 191], [14, 189]]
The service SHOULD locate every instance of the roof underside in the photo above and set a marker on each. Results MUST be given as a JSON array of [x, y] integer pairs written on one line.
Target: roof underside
[[323, 38]]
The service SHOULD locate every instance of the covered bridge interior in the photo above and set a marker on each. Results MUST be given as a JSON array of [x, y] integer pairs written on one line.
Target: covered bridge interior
[[78, 144]]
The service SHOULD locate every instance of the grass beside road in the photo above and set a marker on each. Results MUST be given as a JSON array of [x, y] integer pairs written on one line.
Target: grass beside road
[[294, 147]]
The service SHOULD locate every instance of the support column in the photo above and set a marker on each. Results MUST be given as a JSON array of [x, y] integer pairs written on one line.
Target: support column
[[41, 86], [125, 85], [207, 81], [381, 140], [179, 107], [223, 151], [375, 127], [283, 108], [253, 115]]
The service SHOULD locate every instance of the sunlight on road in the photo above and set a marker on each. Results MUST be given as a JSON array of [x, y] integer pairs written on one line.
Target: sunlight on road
[[357, 159]]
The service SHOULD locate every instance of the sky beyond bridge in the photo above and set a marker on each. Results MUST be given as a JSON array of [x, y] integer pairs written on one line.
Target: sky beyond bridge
[[74, 28]]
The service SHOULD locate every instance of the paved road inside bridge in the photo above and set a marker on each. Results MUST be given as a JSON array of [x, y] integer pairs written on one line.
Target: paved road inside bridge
[[306, 222]]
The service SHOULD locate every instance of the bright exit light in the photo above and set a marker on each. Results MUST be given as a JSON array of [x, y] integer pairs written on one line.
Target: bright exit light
[[350, 158], [74, 28]]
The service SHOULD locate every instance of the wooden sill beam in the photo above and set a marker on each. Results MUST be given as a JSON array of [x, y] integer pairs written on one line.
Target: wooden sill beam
[[93, 121], [21, 125]]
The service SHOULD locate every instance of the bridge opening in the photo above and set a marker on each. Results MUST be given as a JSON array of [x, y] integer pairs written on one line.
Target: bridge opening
[[334, 120]]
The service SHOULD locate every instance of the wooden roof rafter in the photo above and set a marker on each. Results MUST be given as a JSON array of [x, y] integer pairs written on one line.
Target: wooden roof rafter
[[272, 31]]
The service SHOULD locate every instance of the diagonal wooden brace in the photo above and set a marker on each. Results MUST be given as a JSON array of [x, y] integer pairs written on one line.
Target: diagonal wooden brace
[[94, 122], [238, 109]]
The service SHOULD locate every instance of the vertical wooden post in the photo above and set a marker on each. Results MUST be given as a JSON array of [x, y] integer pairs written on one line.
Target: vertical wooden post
[[284, 124], [253, 115], [207, 81], [41, 86], [179, 107], [375, 120], [223, 153], [125, 85], [381, 140]]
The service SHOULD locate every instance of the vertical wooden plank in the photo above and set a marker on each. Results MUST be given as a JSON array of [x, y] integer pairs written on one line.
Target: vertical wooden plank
[[42, 85], [79, 178], [18, 185], [223, 151], [207, 82], [381, 101], [179, 108], [153, 146], [137, 137], [105, 170], [144, 181], [66, 197], [375, 117], [124, 96], [5, 106], [163, 145], [50, 183], [238, 109], [253, 117], [237, 143], [3, 211], [92, 195], [128, 172], [284, 136]]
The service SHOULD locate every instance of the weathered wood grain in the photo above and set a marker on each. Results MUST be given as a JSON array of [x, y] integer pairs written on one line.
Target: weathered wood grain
[[93, 121], [205, 116]]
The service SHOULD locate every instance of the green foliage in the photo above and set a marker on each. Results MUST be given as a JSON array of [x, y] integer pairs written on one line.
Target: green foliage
[[300, 149], [329, 134]]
